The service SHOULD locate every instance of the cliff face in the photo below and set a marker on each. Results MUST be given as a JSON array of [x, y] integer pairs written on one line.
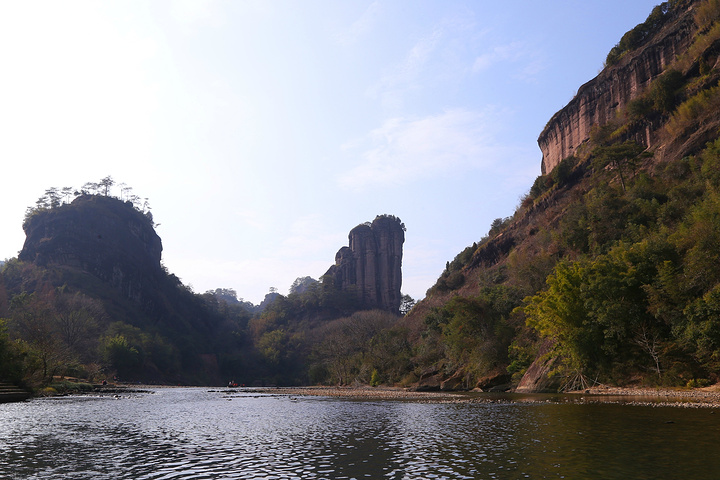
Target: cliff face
[[372, 264], [599, 100], [100, 235]]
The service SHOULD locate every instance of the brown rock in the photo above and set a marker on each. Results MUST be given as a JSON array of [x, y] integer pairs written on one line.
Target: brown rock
[[536, 378], [454, 383], [371, 265], [103, 236], [598, 101], [430, 383]]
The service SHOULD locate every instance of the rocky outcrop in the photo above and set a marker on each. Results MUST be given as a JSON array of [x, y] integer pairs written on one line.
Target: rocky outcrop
[[100, 235], [537, 378], [599, 100], [371, 266]]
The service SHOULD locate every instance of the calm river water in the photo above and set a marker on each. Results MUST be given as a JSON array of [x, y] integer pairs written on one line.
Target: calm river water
[[183, 433]]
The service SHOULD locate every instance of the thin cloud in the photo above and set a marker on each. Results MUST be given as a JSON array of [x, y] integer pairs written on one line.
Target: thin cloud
[[403, 150], [362, 25], [406, 75], [311, 235], [435, 61], [513, 53]]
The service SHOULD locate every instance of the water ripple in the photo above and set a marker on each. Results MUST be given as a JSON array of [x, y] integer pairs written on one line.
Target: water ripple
[[195, 434]]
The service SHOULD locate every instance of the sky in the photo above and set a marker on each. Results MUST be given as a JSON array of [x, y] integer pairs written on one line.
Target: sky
[[261, 132]]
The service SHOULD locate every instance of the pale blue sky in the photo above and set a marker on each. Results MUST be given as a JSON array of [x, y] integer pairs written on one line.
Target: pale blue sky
[[263, 131]]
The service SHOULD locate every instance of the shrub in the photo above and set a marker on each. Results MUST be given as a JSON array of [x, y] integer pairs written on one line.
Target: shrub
[[707, 13], [374, 378], [694, 109], [539, 186], [664, 90], [697, 383], [455, 280], [635, 37]]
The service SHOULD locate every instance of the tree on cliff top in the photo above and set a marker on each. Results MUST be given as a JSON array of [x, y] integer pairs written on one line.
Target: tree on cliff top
[[54, 197]]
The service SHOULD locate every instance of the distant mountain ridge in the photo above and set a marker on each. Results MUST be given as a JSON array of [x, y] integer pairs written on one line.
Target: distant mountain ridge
[[90, 277], [607, 272]]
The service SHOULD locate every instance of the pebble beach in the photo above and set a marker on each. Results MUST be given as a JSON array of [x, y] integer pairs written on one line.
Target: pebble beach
[[708, 397]]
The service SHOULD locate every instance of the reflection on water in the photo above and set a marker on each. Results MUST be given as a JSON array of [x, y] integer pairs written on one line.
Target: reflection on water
[[200, 434]]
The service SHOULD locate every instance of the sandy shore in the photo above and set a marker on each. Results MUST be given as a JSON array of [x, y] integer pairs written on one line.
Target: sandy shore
[[703, 397]]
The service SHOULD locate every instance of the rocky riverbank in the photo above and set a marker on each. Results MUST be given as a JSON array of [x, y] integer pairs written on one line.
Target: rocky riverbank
[[359, 392], [680, 397], [694, 398]]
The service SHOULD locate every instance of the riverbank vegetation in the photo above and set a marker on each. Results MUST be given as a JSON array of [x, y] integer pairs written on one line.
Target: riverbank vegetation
[[607, 272]]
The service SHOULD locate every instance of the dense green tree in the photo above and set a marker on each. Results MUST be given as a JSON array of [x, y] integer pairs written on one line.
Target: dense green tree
[[11, 364], [621, 158], [120, 355], [701, 332], [302, 285], [559, 313]]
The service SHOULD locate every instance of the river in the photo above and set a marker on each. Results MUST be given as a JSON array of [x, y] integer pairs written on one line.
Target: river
[[197, 433]]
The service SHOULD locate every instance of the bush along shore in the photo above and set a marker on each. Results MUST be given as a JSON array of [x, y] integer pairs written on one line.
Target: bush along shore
[[67, 387]]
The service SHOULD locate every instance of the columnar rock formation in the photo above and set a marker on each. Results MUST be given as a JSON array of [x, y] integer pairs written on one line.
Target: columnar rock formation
[[371, 265], [599, 100]]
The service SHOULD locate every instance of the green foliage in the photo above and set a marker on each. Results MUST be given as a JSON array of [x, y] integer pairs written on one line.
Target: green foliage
[[561, 175], [559, 313], [119, 354], [539, 186], [643, 297], [452, 277], [701, 331], [11, 362], [303, 284], [350, 349], [498, 225], [474, 332], [622, 158], [700, 106], [272, 344], [707, 13], [521, 353], [698, 383], [638, 35], [374, 378], [664, 90], [56, 197]]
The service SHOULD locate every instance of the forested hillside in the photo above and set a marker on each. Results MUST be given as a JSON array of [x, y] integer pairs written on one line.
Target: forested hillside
[[88, 297], [608, 271]]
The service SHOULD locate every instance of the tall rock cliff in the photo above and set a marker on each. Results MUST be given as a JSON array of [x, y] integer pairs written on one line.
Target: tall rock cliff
[[371, 265], [602, 98], [100, 235]]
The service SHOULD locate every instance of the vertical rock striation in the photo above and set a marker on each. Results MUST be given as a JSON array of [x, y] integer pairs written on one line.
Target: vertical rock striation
[[371, 265], [600, 99]]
